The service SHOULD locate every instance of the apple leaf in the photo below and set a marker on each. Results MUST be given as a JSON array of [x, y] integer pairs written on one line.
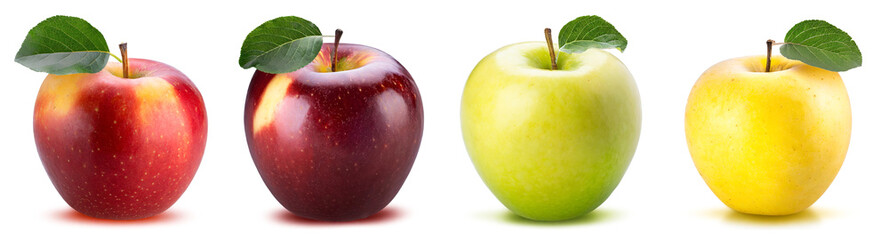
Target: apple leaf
[[64, 45], [587, 32], [820, 44], [281, 45]]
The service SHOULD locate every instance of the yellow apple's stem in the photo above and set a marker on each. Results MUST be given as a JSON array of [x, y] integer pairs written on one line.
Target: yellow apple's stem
[[126, 64], [769, 44], [549, 43], [336, 43]]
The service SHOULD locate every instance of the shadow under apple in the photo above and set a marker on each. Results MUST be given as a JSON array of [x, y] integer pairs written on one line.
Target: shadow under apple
[[807, 216], [599, 215], [388, 214], [71, 215]]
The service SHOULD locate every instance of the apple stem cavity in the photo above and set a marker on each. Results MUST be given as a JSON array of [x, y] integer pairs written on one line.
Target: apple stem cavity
[[336, 43], [126, 64], [548, 33]]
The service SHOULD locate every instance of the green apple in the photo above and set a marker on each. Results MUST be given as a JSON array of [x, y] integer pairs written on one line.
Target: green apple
[[550, 144]]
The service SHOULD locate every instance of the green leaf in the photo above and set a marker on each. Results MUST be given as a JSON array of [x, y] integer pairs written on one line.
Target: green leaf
[[820, 44], [590, 32], [64, 45], [281, 45]]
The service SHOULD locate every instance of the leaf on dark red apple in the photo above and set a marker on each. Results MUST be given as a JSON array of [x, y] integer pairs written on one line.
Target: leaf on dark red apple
[[590, 32], [64, 45], [281, 45], [820, 44]]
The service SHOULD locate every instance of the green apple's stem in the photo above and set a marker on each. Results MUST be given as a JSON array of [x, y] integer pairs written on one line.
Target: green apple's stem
[[336, 43], [549, 43], [769, 44], [126, 64]]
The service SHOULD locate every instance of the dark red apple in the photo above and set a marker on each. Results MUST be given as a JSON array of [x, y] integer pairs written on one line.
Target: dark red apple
[[335, 146], [121, 148]]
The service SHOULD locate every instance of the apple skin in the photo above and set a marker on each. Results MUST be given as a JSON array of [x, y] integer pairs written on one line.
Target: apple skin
[[335, 146], [551, 145], [768, 143], [118, 148]]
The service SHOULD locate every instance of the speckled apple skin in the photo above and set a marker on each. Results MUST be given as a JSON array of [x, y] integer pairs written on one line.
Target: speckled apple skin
[[335, 146], [118, 148]]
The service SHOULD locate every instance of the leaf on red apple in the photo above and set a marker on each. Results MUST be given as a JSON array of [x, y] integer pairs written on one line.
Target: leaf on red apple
[[588, 32], [281, 45], [820, 44], [64, 45]]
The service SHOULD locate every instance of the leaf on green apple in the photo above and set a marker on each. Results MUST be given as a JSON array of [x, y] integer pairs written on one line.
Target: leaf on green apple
[[820, 44], [281, 45], [64, 45], [588, 32]]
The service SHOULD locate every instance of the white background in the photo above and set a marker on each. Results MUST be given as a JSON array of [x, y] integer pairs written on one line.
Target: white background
[[670, 44]]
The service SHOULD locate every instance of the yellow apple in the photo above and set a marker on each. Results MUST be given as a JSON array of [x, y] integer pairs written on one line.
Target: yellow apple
[[768, 143]]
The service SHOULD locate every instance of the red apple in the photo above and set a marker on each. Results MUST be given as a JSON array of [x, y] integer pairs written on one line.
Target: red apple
[[121, 148], [335, 146]]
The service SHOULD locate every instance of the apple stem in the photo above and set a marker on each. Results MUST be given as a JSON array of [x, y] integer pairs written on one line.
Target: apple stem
[[126, 64], [769, 44], [549, 43], [336, 44]]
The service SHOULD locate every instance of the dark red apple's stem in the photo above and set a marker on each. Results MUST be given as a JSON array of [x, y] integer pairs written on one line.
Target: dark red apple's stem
[[549, 43], [126, 64], [336, 44]]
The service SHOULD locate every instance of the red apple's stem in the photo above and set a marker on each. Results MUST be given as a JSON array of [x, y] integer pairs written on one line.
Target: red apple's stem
[[549, 43], [336, 44], [126, 64]]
